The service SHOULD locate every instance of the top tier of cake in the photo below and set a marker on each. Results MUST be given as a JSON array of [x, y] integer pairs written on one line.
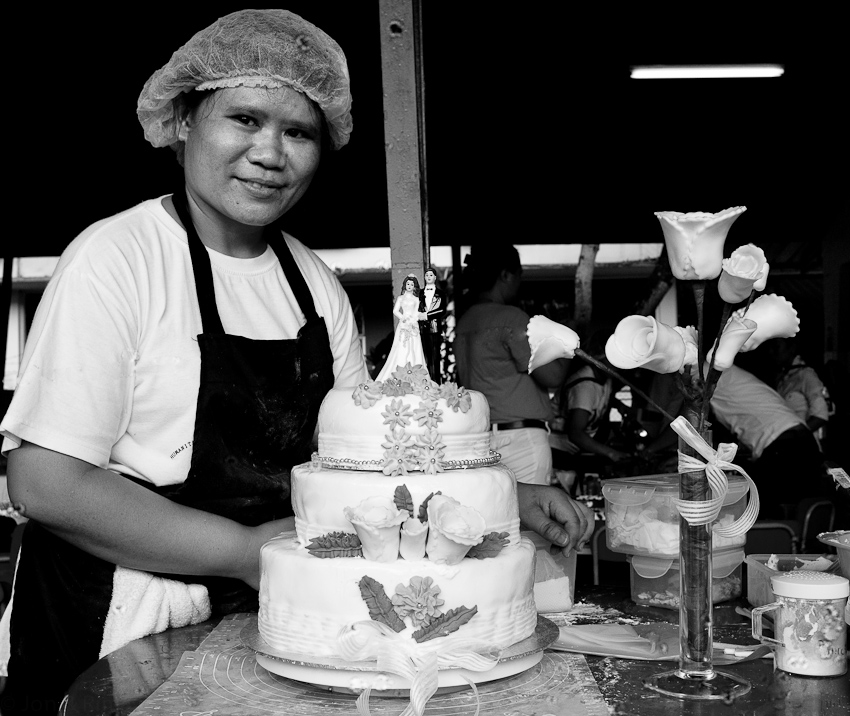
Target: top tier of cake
[[401, 426]]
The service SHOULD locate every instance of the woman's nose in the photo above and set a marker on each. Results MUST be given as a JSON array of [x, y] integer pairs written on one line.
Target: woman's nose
[[268, 149]]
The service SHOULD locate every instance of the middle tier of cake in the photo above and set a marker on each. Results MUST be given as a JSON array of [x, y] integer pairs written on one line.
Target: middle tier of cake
[[320, 496]]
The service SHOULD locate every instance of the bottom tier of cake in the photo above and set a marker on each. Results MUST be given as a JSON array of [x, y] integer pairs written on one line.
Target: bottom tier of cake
[[306, 603]]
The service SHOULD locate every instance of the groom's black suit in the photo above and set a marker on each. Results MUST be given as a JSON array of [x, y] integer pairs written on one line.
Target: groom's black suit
[[431, 331]]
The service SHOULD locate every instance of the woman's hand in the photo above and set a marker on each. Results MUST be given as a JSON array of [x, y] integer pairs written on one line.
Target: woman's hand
[[552, 514], [249, 570]]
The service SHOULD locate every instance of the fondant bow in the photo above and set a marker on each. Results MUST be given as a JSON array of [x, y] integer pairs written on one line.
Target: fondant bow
[[394, 653], [717, 461]]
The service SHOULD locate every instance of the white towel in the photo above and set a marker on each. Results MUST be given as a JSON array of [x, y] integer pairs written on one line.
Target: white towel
[[143, 604]]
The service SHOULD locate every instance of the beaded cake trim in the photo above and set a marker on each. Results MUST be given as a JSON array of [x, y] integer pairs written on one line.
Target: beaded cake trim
[[344, 463]]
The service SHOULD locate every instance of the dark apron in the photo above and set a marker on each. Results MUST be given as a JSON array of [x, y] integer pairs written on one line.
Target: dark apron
[[258, 404]]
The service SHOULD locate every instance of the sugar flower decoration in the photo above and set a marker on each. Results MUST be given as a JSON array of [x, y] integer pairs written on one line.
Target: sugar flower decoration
[[735, 333], [426, 388], [549, 341], [397, 414], [741, 271], [410, 373], [643, 342], [413, 535], [431, 451], [367, 394], [428, 414], [689, 336], [454, 529], [419, 600], [377, 521], [457, 398], [775, 317], [399, 454], [395, 388], [695, 241]]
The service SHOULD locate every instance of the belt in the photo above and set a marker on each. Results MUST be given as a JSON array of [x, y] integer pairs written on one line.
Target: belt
[[517, 424]]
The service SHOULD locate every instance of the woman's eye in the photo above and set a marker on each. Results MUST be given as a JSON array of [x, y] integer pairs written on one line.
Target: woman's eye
[[299, 133], [246, 120]]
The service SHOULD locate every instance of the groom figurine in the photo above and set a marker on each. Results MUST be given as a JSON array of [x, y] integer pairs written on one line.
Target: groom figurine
[[432, 301]]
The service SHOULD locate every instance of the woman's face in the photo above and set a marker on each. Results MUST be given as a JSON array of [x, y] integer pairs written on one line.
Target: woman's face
[[408, 285], [251, 153]]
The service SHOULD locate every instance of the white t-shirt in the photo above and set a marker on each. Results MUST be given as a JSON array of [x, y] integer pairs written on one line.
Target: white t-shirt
[[753, 411], [111, 367]]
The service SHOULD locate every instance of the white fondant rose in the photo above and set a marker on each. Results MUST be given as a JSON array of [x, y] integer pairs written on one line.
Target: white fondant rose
[[741, 271], [413, 536], [549, 341], [735, 333], [453, 529], [775, 318], [689, 336], [376, 521], [643, 342], [695, 241]]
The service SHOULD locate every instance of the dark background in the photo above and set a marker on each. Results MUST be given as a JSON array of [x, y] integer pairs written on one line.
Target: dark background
[[535, 132]]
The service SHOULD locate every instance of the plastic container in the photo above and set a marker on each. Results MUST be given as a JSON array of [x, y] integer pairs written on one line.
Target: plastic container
[[554, 576], [759, 591], [810, 634], [655, 582], [641, 516]]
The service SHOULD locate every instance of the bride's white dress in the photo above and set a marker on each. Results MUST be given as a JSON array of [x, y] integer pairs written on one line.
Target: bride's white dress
[[407, 345]]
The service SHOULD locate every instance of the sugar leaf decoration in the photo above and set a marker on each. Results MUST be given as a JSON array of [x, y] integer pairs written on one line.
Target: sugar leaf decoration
[[445, 624], [490, 546], [403, 499], [335, 544], [379, 604], [423, 508]]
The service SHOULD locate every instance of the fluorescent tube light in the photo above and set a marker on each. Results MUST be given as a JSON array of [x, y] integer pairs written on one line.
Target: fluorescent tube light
[[686, 72]]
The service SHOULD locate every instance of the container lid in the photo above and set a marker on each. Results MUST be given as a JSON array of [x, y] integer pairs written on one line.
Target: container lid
[[810, 585], [722, 564], [639, 490]]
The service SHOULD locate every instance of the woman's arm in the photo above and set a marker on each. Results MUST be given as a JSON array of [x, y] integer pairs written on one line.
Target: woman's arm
[[122, 522]]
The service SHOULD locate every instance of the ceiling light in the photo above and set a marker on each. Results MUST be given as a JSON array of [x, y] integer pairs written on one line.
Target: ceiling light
[[689, 72]]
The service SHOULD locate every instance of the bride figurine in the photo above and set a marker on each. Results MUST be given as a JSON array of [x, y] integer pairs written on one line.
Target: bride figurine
[[407, 344]]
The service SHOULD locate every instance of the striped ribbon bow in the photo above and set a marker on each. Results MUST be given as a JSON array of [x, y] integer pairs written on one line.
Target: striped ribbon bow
[[716, 462], [394, 653]]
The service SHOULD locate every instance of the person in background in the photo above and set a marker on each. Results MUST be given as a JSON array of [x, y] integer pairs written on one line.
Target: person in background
[[433, 303], [800, 385], [492, 352], [786, 462], [589, 397], [177, 361]]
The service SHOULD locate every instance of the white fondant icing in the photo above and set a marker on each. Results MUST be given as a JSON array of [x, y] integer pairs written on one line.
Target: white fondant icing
[[305, 601], [319, 497]]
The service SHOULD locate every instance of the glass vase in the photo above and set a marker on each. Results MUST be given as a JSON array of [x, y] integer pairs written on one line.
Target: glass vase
[[696, 678]]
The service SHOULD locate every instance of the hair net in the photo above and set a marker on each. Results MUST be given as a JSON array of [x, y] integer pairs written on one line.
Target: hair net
[[251, 48]]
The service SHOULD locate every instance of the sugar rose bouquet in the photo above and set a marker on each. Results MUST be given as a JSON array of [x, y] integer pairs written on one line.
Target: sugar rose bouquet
[[695, 243]]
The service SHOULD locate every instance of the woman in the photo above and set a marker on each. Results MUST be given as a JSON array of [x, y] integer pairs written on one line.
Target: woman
[[177, 361], [407, 344], [180, 354]]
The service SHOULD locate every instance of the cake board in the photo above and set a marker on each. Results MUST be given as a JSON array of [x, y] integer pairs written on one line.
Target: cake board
[[341, 676]]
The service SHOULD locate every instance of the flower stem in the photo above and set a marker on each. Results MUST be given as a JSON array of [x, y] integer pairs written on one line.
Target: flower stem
[[699, 300], [637, 391], [713, 375]]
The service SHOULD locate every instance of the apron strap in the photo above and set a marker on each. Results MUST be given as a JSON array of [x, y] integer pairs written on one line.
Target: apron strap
[[210, 320], [293, 274]]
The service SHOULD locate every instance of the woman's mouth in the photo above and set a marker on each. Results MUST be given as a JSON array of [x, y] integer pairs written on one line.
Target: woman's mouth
[[260, 189]]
